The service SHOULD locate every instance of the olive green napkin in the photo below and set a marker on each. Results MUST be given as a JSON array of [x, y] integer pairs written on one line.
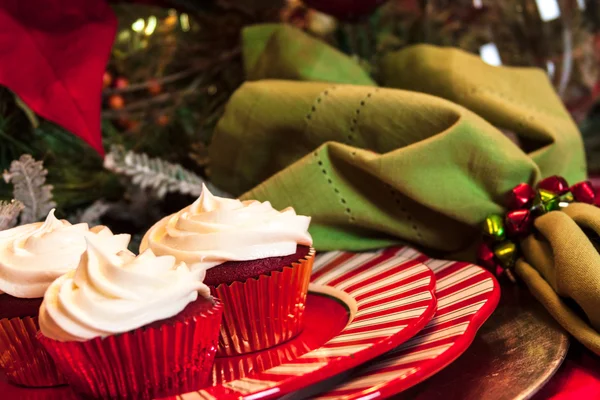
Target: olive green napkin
[[374, 166], [521, 100], [283, 52], [560, 262]]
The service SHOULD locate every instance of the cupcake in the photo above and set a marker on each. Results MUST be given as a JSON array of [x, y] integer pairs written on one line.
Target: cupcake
[[258, 261], [31, 257], [125, 327]]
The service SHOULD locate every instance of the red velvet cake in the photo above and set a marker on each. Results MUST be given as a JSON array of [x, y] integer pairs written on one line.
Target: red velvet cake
[[32, 256], [14, 307], [240, 271], [129, 327], [258, 262]]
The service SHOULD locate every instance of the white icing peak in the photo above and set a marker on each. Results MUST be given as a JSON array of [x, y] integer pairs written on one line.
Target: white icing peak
[[112, 293], [214, 230], [34, 255]]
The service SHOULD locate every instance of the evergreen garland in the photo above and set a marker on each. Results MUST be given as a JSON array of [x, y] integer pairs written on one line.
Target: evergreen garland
[[154, 173]]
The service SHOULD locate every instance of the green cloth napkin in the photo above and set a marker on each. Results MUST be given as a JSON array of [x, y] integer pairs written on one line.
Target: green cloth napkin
[[376, 166], [283, 52], [560, 262]]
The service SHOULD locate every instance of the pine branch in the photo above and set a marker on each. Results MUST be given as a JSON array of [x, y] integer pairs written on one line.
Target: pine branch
[[28, 178], [198, 66], [93, 213], [9, 212], [154, 173], [145, 103]]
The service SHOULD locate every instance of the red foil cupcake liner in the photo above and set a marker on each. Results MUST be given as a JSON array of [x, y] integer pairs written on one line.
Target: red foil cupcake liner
[[144, 363], [266, 311], [23, 359]]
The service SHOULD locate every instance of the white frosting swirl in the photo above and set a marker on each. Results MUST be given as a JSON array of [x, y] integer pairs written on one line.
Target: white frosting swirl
[[214, 230], [114, 293], [32, 256]]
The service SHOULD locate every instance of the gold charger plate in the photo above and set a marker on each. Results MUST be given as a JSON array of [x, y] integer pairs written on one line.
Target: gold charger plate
[[513, 355]]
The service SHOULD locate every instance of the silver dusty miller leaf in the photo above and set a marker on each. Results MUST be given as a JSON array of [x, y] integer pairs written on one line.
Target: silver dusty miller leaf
[[28, 178], [154, 173], [9, 212]]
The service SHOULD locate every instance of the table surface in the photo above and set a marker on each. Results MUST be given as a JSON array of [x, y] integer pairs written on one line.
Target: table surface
[[578, 377], [514, 354]]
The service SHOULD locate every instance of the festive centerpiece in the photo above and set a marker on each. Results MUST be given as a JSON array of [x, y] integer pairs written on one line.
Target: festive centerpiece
[[267, 164]]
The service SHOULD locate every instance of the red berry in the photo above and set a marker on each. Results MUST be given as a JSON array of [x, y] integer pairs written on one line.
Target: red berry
[[154, 87], [162, 120], [106, 79], [121, 83], [116, 102]]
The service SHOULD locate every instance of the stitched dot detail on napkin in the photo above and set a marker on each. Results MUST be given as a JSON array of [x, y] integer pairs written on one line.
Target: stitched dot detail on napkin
[[327, 176], [354, 123], [409, 219]]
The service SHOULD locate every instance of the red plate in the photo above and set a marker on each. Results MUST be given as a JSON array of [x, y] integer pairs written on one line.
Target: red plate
[[390, 298], [467, 295], [360, 305]]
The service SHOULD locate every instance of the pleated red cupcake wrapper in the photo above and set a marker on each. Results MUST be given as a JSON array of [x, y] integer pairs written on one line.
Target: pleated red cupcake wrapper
[[23, 359], [144, 363], [264, 312]]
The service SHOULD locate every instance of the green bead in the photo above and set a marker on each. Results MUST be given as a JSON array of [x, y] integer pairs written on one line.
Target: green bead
[[506, 253], [565, 200], [546, 200], [553, 205], [546, 195], [538, 205], [493, 227]]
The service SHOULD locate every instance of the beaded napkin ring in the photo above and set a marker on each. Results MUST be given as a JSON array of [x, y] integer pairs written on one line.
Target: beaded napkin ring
[[500, 248]]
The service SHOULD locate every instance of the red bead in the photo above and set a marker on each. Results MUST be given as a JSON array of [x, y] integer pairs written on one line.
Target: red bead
[[584, 192], [520, 196], [518, 223], [555, 184], [499, 271], [485, 257]]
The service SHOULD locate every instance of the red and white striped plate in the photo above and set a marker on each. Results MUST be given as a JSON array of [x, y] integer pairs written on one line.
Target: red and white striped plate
[[360, 305], [467, 295], [390, 296]]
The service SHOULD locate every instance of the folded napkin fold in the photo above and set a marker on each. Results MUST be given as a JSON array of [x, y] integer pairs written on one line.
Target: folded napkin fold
[[374, 165], [420, 159], [561, 266]]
